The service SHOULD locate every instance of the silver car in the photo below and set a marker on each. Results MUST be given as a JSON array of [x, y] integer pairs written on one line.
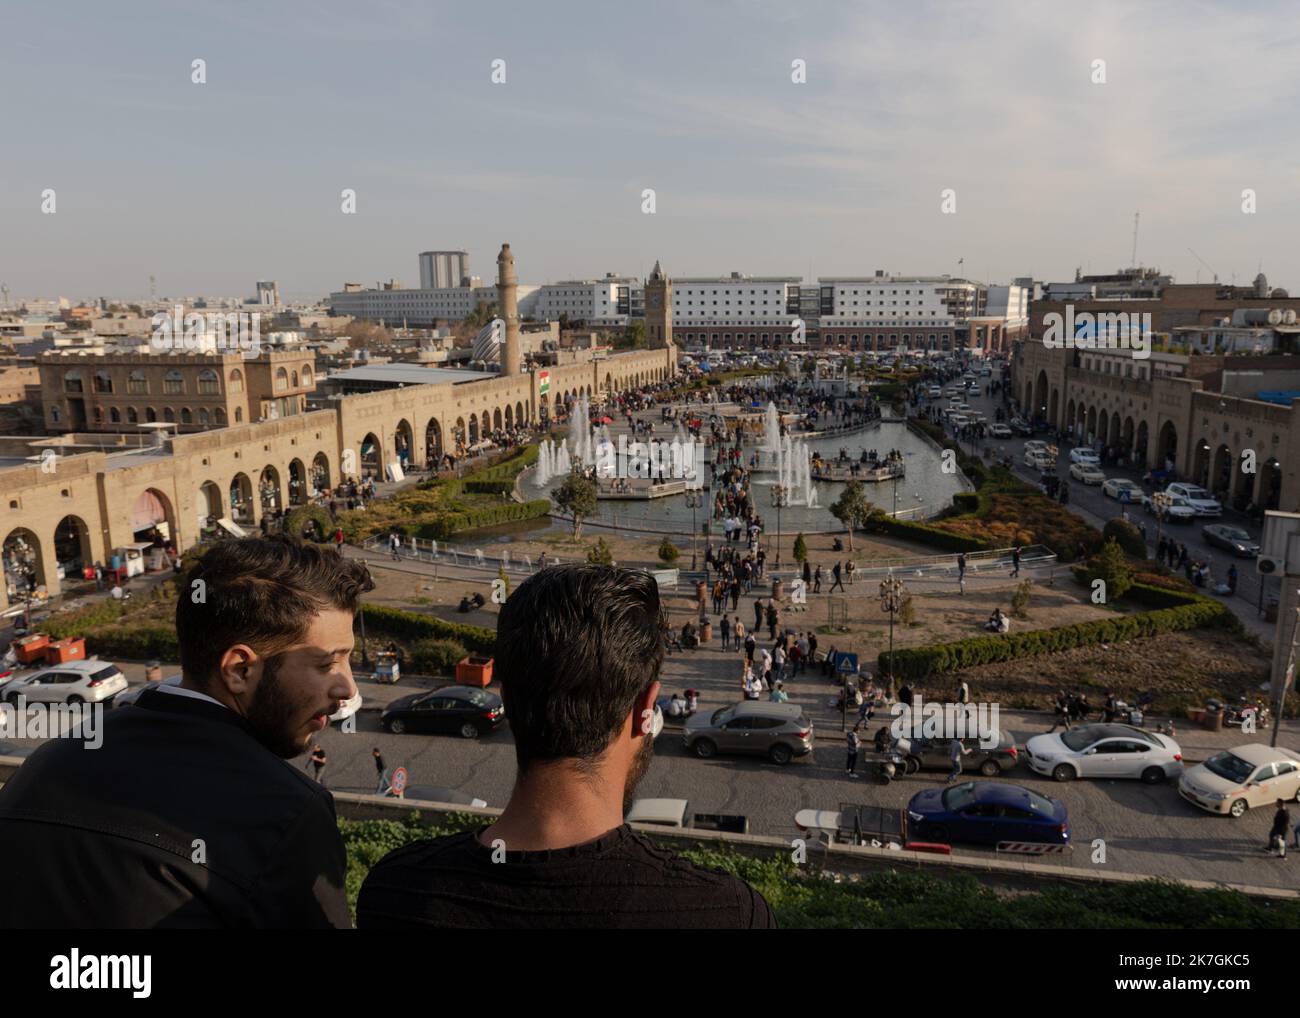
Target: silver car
[[1105, 751], [778, 731], [92, 681]]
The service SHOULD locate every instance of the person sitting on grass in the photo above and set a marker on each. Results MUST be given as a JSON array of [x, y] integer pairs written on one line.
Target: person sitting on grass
[[998, 622]]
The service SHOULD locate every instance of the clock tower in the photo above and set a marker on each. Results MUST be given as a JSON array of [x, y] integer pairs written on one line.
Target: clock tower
[[658, 310]]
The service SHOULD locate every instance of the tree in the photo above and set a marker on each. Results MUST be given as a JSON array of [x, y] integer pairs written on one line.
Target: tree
[[800, 549], [668, 552], [1127, 535], [600, 554], [1020, 599], [1110, 565], [577, 497], [634, 335], [852, 508]]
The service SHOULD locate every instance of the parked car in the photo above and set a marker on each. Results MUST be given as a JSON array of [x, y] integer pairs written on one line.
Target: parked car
[[466, 710], [1035, 445], [1087, 473], [999, 431], [1021, 426], [987, 812], [1236, 780], [1039, 460], [1232, 539], [129, 697], [932, 754], [1105, 751], [778, 731], [1198, 498], [1085, 456], [1177, 511], [1115, 487], [90, 681]]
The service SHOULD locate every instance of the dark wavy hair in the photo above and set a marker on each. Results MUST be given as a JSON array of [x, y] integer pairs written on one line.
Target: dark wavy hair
[[262, 591]]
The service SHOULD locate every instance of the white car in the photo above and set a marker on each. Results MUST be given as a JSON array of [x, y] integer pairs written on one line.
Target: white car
[[1038, 459], [1198, 498], [1087, 473], [935, 392], [1179, 510], [1115, 487], [1085, 456], [1105, 751], [91, 681], [999, 431], [1234, 780], [1035, 445]]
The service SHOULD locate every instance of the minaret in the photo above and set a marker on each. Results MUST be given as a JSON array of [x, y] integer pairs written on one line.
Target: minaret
[[507, 307], [658, 310]]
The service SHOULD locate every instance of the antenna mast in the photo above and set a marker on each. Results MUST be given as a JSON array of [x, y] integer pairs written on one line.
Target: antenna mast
[[1134, 260]]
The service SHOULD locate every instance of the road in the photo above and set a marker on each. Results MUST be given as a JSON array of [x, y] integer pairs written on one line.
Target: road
[[1090, 504]]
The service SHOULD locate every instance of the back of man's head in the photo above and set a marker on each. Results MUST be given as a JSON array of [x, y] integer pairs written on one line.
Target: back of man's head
[[576, 646]]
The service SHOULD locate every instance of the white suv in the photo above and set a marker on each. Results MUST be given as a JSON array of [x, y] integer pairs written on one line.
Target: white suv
[[1085, 456], [92, 681], [1198, 498]]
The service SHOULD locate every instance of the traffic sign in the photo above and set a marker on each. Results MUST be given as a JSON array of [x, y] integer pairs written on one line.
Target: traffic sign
[[399, 782], [846, 664]]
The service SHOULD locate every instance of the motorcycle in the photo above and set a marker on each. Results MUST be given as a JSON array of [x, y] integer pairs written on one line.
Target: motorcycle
[[1236, 715]]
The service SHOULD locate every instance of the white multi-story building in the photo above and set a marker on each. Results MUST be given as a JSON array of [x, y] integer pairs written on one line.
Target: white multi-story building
[[735, 309], [393, 305], [609, 301]]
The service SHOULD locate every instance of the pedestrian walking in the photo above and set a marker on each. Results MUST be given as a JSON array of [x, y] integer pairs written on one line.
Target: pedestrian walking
[[750, 644], [854, 744], [963, 692], [318, 761], [381, 772], [771, 621], [955, 752], [1015, 561], [99, 576], [725, 628], [1277, 835], [848, 571], [817, 581], [961, 572], [758, 615], [395, 545], [836, 572], [338, 538]]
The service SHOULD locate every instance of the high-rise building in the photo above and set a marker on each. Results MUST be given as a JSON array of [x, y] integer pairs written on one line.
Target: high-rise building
[[441, 270], [268, 293]]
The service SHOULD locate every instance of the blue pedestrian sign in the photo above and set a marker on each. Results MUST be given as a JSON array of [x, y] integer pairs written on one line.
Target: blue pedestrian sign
[[847, 664]]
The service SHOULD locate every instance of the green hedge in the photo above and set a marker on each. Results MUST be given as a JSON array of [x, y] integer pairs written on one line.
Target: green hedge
[[452, 523], [436, 657], [489, 487], [932, 536], [296, 522], [1192, 612], [804, 897], [415, 626], [966, 501]]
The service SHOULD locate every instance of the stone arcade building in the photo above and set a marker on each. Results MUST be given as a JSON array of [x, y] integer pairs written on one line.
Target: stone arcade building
[[80, 502]]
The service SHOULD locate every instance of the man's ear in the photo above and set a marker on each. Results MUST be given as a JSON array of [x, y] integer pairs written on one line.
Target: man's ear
[[643, 711]]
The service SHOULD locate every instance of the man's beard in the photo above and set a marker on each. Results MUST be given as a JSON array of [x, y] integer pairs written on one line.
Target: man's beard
[[270, 715], [640, 764]]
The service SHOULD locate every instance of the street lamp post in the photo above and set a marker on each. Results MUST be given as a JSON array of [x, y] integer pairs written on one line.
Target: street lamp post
[[694, 500], [1161, 501], [892, 593], [780, 499]]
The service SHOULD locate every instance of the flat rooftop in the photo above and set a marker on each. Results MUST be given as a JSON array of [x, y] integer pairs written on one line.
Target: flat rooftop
[[408, 374]]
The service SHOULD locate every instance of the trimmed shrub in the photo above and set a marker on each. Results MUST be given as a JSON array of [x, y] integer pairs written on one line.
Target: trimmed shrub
[[668, 552], [1111, 567], [411, 626], [436, 657], [600, 553], [1126, 535], [922, 662], [310, 517], [966, 501]]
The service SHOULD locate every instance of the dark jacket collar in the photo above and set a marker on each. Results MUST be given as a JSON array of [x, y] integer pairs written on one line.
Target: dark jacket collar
[[169, 703]]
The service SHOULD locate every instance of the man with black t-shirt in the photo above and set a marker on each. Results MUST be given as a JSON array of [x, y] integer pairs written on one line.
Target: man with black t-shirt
[[578, 654]]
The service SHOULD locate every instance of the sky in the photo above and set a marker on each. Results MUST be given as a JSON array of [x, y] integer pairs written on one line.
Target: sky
[[992, 105]]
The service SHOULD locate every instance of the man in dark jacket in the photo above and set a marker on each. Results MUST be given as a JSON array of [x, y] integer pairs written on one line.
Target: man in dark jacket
[[188, 814]]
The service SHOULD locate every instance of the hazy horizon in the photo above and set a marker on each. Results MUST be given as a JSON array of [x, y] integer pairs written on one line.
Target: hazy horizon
[[212, 186]]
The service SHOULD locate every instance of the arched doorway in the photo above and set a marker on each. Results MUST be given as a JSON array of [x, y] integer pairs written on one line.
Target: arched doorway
[[458, 435], [1054, 408], [1069, 417], [1221, 476], [152, 518], [1140, 451], [320, 473], [520, 419], [371, 462], [210, 505], [1243, 492], [268, 489], [24, 564], [298, 491], [72, 547], [1090, 424], [510, 418], [473, 429], [1103, 426], [241, 499], [403, 443], [1167, 447], [496, 419], [433, 443], [1201, 463]]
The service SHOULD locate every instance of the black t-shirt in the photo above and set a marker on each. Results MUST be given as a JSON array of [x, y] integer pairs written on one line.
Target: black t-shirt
[[620, 880]]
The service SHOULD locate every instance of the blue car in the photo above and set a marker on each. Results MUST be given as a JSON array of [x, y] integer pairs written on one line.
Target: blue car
[[986, 813]]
